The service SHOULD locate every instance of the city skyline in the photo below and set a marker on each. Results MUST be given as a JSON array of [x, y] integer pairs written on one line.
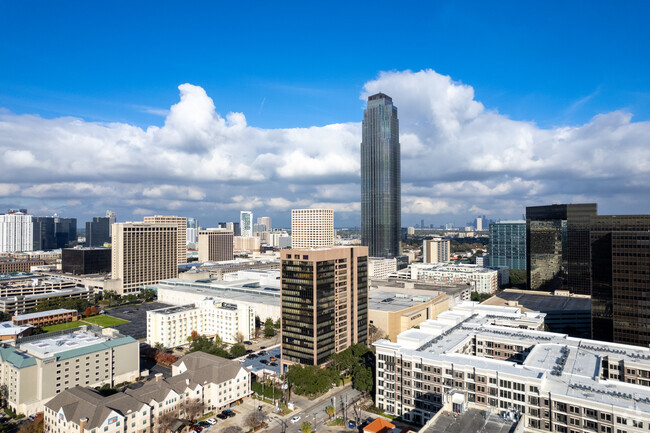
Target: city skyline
[[555, 114]]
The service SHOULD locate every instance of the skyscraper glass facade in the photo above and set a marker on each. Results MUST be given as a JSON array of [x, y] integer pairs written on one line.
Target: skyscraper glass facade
[[558, 253], [508, 244], [380, 178]]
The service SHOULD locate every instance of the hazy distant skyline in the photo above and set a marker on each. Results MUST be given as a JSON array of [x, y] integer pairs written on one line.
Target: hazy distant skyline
[[500, 107]]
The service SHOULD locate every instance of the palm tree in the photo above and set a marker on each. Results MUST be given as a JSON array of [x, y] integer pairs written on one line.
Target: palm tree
[[330, 411]]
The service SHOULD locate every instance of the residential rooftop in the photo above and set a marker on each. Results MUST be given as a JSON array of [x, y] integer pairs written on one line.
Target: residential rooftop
[[382, 300], [239, 290]]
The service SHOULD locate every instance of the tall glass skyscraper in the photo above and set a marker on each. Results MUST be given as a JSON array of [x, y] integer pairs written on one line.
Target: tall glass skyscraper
[[508, 244], [380, 178]]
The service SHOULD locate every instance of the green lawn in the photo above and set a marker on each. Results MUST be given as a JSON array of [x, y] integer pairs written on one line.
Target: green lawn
[[62, 326], [104, 320], [101, 320]]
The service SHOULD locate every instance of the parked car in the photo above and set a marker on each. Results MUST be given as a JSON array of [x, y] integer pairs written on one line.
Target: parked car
[[222, 416], [247, 342], [264, 361], [295, 419], [273, 364], [211, 421], [262, 347], [273, 358]]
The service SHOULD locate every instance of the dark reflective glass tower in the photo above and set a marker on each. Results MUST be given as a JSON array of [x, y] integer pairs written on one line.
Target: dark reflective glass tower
[[380, 178]]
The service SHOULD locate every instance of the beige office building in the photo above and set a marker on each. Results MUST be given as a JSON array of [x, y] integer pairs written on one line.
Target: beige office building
[[312, 228], [144, 253], [181, 223], [246, 243], [435, 250], [324, 301], [215, 245], [42, 366]]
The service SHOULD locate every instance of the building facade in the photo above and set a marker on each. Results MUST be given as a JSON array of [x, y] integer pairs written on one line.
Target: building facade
[[46, 318], [16, 232], [215, 245], [98, 232], [312, 228], [10, 265], [143, 253], [508, 244], [181, 224], [324, 303], [246, 223], [380, 178], [199, 380], [170, 326], [39, 367], [558, 247], [482, 280], [436, 250], [497, 359], [381, 268], [620, 253], [83, 261]]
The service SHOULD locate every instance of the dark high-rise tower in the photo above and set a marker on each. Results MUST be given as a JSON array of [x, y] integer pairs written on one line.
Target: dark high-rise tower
[[380, 178], [558, 247]]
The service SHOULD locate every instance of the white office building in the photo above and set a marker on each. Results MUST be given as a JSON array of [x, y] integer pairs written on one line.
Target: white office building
[[246, 223], [381, 268], [171, 326], [482, 280], [16, 232]]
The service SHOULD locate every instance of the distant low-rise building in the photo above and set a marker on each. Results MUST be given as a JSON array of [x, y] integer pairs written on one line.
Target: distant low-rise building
[[37, 368], [10, 265], [379, 267], [46, 318], [483, 280]]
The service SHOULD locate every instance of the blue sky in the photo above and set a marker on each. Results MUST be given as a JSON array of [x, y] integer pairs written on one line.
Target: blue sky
[[299, 65]]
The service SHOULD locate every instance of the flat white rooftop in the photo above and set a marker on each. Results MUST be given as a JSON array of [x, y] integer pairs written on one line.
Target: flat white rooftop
[[46, 347]]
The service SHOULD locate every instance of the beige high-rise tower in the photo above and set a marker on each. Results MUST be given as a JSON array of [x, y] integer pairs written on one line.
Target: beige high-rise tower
[[436, 250], [312, 228], [215, 245], [324, 303], [181, 223], [144, 253]]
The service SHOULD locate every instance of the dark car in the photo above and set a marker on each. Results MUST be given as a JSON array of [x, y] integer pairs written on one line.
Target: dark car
[[222, 416], [249, 351], [273, 364], [264, 361], [262, 347], [247, 342], [262, 352]]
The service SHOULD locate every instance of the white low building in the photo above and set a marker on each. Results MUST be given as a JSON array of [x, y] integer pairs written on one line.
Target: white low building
[[171, 326], [381, 268], [483, 280]]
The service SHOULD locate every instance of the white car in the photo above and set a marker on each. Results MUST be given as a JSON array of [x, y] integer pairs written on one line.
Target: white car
[[211, 421], [295, 419]]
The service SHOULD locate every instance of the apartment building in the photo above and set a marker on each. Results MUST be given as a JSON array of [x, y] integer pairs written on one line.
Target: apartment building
[[379, 267], [436, 250], [181, 224], [499, 359], [215, 245], [16, 231], [246, 243], [214, 382], [144, 253], [170, 326], [312, 228], [39, 367], [483, 280], [324, 302]]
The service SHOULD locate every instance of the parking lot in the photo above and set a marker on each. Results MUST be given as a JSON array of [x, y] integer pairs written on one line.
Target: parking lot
[[137, 315], [256, 364], [241, 412]]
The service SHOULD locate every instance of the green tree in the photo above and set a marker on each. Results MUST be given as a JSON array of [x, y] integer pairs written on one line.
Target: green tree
[[238, 350], [269, 330], [305, 427], [277, 324], [330, 411], [147, 294]]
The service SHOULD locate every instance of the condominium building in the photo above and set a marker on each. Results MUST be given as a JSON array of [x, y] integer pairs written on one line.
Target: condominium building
[[215, 245], [508, 244], [266, 221], [324, 303], [16, 231], [181, 223], [381, 268], [497, 359], [39, 367], [246, 223], [170, 326], [482, 280], [144, 253], [312, 228], [246, 243], [436, 250], [199, 380]]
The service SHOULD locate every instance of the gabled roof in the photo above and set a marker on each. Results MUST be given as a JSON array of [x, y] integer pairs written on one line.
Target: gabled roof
[[79, 402]]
